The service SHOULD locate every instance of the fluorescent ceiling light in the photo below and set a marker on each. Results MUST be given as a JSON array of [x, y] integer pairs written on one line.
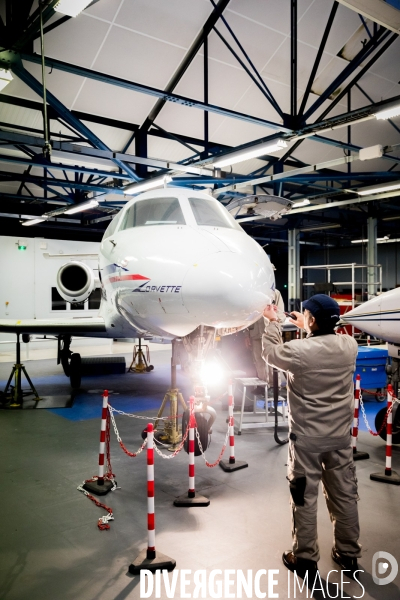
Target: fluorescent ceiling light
[[319, 227], [72, 8], [379, 240], [34, 221], [81, 207], [5, 78], [304, 202], [376, 190], [388, 113], [253, 152], [150, 184]]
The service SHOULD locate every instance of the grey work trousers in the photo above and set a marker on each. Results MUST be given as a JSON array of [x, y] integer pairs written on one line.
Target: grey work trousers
[[336, 471]]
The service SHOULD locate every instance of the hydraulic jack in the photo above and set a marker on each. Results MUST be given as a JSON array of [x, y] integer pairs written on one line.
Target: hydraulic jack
[[140, 362], [13, 396]]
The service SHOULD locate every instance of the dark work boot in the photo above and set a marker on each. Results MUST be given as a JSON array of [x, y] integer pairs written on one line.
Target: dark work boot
[[347, 563], [300, 565]]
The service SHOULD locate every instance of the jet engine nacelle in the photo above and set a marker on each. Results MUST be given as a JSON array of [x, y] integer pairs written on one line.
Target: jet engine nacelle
[[75, 282]]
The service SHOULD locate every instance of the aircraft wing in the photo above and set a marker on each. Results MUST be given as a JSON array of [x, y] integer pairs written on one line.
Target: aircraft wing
[[80, 326]]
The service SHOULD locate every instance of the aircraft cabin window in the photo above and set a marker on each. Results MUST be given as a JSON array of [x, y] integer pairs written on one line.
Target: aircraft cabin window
[[211, 214], [154, 211]]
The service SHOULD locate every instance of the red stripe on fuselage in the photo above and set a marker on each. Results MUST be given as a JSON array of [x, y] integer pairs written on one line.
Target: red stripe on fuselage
[[128, 278]]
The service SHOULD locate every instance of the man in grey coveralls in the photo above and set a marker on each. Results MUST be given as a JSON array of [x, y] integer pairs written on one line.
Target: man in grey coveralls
[[320, 385]]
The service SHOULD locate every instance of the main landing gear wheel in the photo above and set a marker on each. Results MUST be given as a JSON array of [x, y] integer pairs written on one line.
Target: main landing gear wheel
[[395, 427], [75, 371]]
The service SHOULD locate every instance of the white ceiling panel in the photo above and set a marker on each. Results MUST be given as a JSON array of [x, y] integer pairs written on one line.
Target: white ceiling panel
[[233, 132], [105, 10], [115, 102], [167, 149], [258, 42], [181, 119], [138, 58], [176, 21], [64, 86], [388, 66], [76, 41], [273, 14]]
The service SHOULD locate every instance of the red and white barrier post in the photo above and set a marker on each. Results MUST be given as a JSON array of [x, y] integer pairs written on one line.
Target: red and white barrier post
[[101, 486], [389, 476], [191, 499], [232, 464], [357, 395], [149, 559]]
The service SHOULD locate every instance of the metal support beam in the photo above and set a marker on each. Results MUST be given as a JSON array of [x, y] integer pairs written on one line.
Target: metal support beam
[[319, 56], [145, 89], [293, 59], [379, 11], [364, 53], [372, 255], [65, 114], [294, 296], [190, 55], [389, 41], [205, 76], [257, 74]]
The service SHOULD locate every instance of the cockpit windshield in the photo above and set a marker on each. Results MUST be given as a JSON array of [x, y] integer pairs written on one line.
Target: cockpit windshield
[[211, 213], [112, 226], [153, 211]]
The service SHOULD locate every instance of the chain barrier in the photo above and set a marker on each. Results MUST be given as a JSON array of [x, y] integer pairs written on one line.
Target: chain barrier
[[103, 521], [131, 454], [214, 464], [381, 394], [125, 414], [375, 434]]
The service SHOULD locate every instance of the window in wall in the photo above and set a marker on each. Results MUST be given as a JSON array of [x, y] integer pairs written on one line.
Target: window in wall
[[57, 303], [154, 211], [94, 299], [92, 303]]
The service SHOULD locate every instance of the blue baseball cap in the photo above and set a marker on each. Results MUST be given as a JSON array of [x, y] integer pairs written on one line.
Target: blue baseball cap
[[324, 309]]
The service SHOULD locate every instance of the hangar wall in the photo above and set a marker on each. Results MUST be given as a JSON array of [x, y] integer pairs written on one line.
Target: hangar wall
[[27, 276]]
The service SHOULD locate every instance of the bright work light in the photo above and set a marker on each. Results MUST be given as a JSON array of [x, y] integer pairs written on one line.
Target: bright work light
[[33, 221], [148, 185], [248, 153], [81, 207], [388, 113]]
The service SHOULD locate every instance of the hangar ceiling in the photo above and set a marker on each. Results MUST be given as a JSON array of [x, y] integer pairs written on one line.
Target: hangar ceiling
[[136, 89]]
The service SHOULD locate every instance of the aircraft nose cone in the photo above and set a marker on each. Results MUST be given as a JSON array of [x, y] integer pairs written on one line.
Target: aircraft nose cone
[[227, 289]]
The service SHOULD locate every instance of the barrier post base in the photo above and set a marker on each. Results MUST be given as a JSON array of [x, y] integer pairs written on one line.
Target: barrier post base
[[229, 467], [100, 490], [188, 501], [360, 455], [160, 562], [394, 478]]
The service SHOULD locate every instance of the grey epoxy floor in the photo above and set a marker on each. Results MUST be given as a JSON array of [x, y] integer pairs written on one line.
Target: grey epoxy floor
[[51, 548]]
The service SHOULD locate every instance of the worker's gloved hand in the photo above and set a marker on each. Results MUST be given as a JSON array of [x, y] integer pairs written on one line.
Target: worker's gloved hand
[[270, 312], [299, 322]]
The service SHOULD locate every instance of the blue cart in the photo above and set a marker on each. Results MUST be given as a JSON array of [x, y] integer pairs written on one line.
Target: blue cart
[[371, 366]]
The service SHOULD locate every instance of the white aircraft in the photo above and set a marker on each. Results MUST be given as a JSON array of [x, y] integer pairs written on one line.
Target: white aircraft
[[173, 264], [379, 317]]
